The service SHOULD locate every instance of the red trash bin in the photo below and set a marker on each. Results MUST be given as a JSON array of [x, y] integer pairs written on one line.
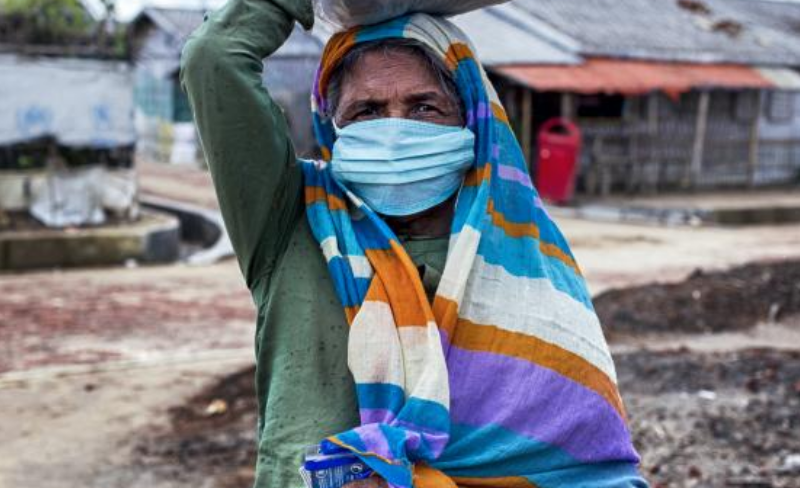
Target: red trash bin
[[559, 152]]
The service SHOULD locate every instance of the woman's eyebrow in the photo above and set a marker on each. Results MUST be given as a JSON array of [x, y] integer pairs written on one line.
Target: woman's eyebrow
[[359, 104], [424, 97]]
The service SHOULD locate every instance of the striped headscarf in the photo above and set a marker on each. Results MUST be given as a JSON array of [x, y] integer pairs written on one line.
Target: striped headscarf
[[505, 380]]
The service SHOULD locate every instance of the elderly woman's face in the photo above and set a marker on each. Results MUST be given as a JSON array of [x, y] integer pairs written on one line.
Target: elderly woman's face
[[395, 84]]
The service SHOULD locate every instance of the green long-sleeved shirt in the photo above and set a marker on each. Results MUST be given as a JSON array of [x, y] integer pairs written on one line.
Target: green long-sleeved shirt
[[305, 391]]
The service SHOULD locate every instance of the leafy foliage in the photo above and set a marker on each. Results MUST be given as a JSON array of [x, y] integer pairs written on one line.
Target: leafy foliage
[[47, 21], [61, 24]]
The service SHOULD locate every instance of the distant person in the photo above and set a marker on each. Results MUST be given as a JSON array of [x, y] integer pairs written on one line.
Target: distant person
[[416, 305]]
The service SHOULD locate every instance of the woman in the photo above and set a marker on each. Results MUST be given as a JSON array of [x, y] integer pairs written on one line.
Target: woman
[[416, 252]]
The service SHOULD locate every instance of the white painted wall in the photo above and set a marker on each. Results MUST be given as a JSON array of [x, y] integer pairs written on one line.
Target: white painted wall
[[80, 102]]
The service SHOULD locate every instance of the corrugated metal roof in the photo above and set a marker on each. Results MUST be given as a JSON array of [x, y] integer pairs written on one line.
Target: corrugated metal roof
[[501, 36], [176, 21], [706, 31], [635, 77], [302, 44], [784, 79]]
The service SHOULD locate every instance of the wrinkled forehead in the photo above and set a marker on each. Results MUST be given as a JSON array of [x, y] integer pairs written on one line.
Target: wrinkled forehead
[[437, 36]]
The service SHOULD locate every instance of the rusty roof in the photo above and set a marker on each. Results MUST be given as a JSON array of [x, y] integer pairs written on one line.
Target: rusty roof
[[635, 77]]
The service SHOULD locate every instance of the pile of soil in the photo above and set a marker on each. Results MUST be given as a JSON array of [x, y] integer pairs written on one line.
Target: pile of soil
[[211, 437], [705, 302]]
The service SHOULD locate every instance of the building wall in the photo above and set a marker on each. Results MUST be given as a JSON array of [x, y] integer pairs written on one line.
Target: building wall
[[779, 151], [66, 123], [79, 102], [163, 118], [163, 112], [637, 152]]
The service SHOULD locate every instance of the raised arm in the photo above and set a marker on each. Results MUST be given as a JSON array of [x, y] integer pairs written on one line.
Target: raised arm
[[244, 134]]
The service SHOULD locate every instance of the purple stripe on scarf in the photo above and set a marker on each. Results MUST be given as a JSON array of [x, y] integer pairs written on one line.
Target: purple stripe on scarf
[[322, 104], [538, 203], [413, 440], [481, 111], [510, 173], [495, 151], [375, 441], [376, 416], [414, 435], [535, 402]]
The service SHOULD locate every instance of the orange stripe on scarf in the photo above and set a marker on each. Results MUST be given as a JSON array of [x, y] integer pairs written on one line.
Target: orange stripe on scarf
[[506, 482], [334, 51], [427, 477], [489, 338], [457, 52], [397, 283], [315, 194], [529, 229]]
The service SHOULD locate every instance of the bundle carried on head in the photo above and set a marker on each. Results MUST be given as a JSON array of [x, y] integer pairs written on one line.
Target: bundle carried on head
[[349, 13]]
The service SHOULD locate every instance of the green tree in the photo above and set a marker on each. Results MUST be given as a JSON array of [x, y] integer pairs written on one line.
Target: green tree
[[62, 24], [45, 21]]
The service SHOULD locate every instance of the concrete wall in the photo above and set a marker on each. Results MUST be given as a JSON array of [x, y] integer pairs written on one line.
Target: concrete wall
[[79, 102]]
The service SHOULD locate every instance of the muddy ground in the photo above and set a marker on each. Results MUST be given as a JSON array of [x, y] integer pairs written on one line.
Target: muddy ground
[[705, 302], [699, 419]]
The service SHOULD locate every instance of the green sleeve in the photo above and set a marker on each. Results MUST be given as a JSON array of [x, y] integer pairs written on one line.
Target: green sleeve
[[243, 132]]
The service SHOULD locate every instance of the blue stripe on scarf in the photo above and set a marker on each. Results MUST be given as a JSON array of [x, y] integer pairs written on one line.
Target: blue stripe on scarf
[[557, 468], [512, 255], [392, 28], [350, 290]]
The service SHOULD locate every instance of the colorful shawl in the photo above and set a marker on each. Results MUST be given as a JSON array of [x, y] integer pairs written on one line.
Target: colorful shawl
[[506, 379]]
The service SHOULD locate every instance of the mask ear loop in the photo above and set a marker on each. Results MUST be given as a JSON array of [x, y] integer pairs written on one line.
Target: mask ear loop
[[458, 193], [336, 128]]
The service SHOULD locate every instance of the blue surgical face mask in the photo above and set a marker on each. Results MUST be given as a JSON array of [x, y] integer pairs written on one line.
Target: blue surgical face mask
[[400, 166]]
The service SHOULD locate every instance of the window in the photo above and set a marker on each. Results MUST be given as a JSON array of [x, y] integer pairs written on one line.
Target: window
[[780, 106]]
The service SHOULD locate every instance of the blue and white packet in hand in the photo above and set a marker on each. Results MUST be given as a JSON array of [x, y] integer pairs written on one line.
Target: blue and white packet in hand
[[329, 466]]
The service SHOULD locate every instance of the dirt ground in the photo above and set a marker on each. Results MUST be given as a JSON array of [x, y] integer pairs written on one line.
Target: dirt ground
[[142, 377], [718, 419], [705, 302]]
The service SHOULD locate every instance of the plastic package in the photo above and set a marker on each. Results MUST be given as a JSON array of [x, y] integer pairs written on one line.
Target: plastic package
[[348, 13], [329, 466]]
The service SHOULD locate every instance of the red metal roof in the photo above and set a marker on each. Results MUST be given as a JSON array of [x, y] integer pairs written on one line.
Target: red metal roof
[[634, 77]]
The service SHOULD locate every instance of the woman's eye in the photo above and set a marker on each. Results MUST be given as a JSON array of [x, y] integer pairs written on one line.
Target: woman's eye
[[424, 108], [367, 112]]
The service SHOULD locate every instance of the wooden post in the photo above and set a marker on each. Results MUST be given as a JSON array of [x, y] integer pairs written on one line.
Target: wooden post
[[631, 124], [753, 160], [652, 133], [567, 105], [510, 102], [527, 126], [698, 150]]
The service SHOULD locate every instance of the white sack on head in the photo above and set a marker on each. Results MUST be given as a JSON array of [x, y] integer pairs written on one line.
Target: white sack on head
[[348, 13]]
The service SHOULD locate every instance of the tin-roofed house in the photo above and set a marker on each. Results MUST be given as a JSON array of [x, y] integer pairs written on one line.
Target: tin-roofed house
[[164, 117], [670, 93], [503, 37]]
